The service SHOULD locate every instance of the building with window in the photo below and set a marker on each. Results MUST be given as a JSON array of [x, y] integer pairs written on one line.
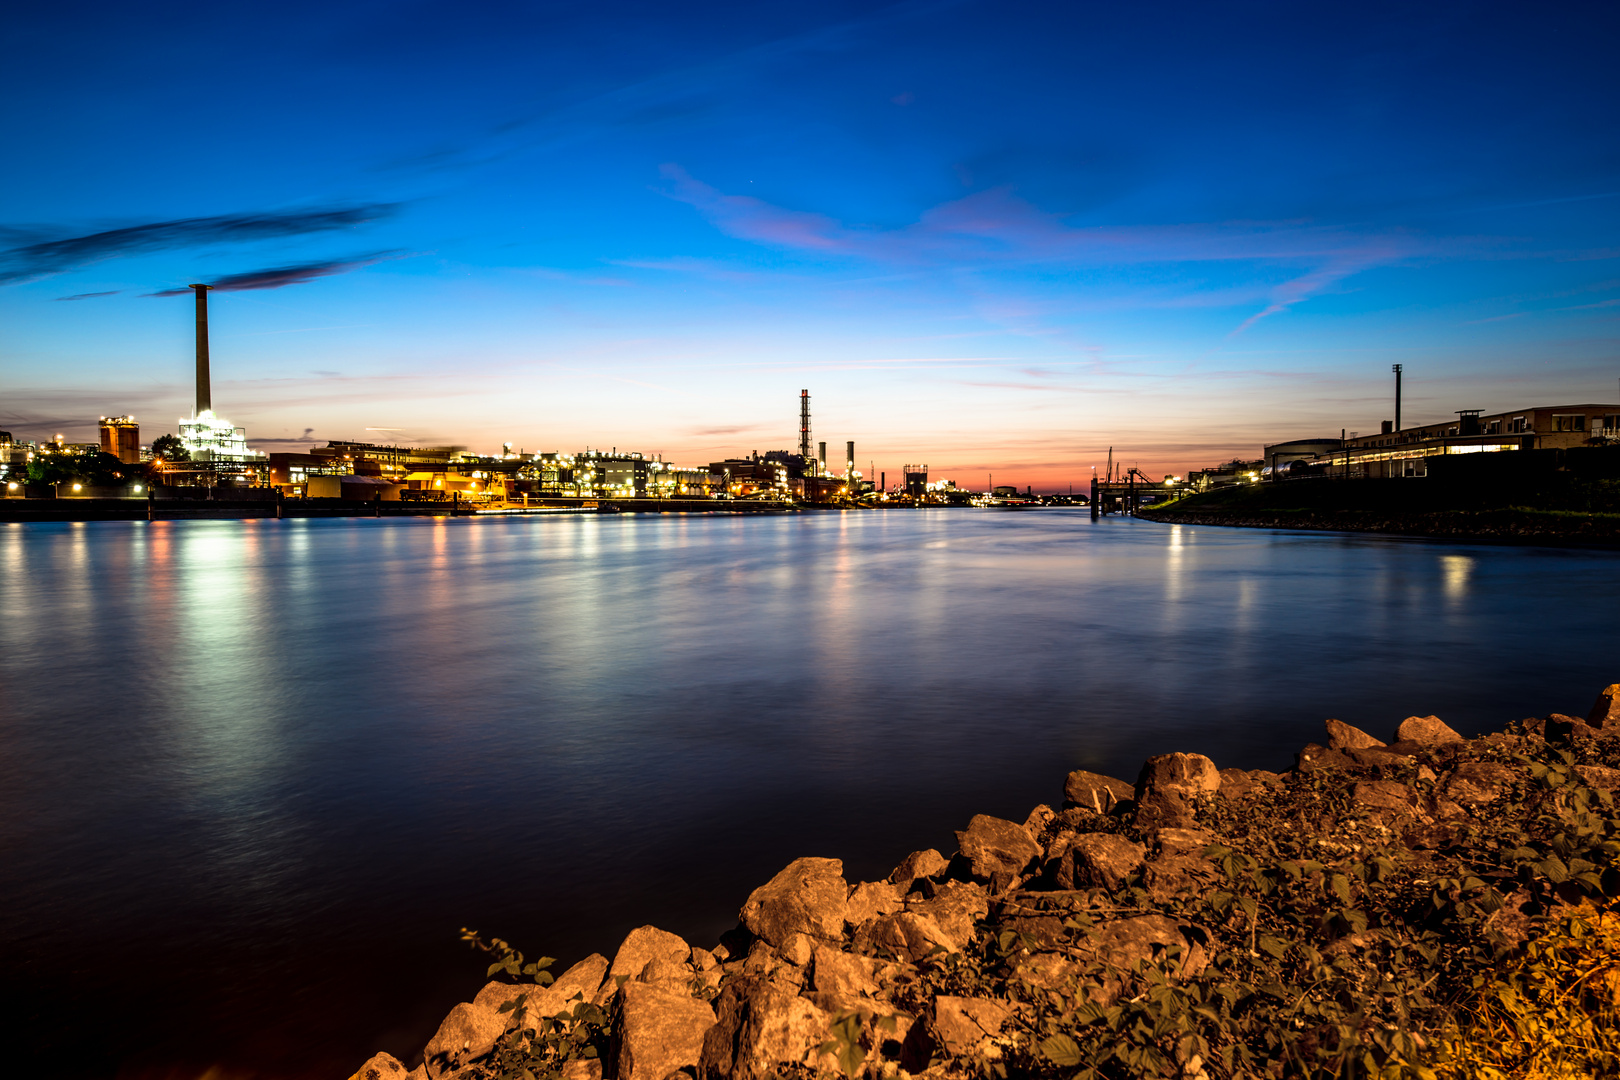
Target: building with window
[[1391, 453]]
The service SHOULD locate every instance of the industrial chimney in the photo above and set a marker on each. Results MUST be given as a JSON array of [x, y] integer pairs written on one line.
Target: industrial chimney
[[204, 397]]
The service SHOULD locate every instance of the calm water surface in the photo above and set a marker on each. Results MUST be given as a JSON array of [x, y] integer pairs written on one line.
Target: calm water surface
[[255, 775]]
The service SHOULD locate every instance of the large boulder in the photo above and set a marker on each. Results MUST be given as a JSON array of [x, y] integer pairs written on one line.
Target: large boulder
[[659, 1031], [1341, 736], [809, 896], [1606, 711], [1096, 792], [380, 1067], [1426, 731], [841, 980], [1475, 782], [1168, 787], [763, 1025], [919, 864], [957, 907], [870, 899], [997, 850], [909, 934], [468, 1032], [1125, 942], [964, 1025], [1097, 861], [583, 979], [643, 946]]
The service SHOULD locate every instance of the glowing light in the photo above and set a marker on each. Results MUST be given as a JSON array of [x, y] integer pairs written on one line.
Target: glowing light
[[76, 487]]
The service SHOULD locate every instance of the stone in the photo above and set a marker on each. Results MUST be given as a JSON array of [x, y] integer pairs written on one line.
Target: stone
[[1606, 712], [1559, 728], [1380, 755], [1039, 818], [659, 1031], [1475, 782], [909, 934], [380, 1067], [1170, 875], [1341, 736], [1125, 942], [996, 849], [1386, 795], [1046, 970], [919, 864], [1315, 757], [641, 947], [1426, 731], [957, 907], [584, 979], [871, 899], [586, 1069], [1596, 776], [1240, 783], [1096, 792], [964, 1025], [1174, 842], [468, 1032], [808, 896], [1168, 787], [760, 1027], [796, 949], [841, 980], [1098, 861]]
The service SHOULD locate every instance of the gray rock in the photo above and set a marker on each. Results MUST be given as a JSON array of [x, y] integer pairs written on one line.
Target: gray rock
[[1098, 861], [641, 947], [919, 864], [1096, 792], [1606, 711], [957, 907], [761, 1027], [1426, 731], [809, 896], [871, 899], [1475, 782], [964, 1025], [659, 1030], [1341, 736], [1597, 776], [842, 981], [997, 850], [1386, 795], [909, 934], [380, 1067], [468, 1032], [1168, 787]]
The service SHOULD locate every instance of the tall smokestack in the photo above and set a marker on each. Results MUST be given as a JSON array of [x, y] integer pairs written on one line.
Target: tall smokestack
[[1397, 369], [204, 397], [804, 428], [849, 469]]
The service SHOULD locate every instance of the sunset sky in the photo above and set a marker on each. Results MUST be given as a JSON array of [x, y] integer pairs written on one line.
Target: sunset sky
[[986, 236]]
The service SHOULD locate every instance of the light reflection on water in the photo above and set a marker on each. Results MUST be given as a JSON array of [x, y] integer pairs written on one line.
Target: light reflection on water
[[253, 775]]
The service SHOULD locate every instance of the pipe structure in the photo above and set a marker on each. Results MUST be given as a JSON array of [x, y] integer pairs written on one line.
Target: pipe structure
[[204, 396], [1397, 369]]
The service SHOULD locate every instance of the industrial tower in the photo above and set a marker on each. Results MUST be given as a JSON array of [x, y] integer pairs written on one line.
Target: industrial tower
[[804, 432]]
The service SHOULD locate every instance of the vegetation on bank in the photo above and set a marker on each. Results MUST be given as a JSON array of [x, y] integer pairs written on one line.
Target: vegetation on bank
[[1433, 909]]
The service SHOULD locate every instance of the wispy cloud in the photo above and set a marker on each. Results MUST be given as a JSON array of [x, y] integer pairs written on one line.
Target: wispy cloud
[[282, 276], [88, 295], [46, 256]]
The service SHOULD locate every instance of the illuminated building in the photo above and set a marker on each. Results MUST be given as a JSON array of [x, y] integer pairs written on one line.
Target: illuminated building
[[121, 437]]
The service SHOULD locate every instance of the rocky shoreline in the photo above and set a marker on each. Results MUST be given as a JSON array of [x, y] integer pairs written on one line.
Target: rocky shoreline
[[1512, 526], [1201, 923]]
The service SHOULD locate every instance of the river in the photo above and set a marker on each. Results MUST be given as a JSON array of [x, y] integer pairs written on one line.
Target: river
[[254, 775]]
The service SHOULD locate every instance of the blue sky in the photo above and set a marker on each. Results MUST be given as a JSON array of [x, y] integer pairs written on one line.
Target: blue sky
[[990, 237]]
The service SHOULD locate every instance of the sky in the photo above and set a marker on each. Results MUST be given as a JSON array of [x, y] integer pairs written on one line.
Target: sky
[[990, 237]]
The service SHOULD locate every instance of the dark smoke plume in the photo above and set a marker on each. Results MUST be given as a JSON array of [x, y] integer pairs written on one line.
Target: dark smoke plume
[[43, 257], [280, 276]]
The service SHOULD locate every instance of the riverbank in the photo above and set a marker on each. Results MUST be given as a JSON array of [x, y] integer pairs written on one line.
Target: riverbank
[[1541, 508], [1366, 909], [1513, 525]]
